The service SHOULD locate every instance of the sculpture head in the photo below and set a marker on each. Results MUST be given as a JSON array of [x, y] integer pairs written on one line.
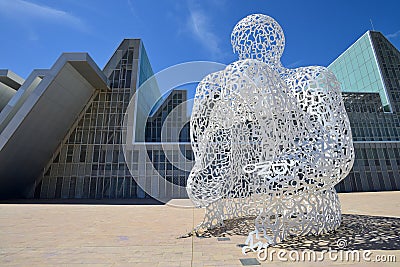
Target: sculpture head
[[258, 36]]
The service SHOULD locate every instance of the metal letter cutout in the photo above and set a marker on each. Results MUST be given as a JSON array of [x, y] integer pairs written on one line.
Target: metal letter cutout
[[269, 142]]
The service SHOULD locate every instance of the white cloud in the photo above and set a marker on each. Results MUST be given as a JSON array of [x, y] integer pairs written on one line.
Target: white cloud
[[393, 35], [21, 10], [294, 64], [199, 26], [131, 8]]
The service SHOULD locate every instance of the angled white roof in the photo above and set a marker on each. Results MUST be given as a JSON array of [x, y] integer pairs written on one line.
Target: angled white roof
[[36, 120]]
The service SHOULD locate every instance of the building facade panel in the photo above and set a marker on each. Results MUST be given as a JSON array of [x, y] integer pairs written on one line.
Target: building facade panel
[[358, 71], [90, 162], [375, 124], [29, 138]]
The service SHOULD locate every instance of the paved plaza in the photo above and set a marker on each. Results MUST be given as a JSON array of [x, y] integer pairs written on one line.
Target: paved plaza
[[154, 235]]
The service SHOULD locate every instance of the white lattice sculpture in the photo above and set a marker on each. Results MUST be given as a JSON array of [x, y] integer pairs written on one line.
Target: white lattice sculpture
[[269, 142]]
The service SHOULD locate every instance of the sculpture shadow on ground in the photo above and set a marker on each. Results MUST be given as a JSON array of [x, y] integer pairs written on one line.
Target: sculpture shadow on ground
[[355, 233]]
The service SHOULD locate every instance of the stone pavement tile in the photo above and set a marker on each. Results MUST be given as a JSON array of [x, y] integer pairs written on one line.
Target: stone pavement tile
[[170, 264], [59, 265], [145, 264], [185, 263], [197, 264], [10, 251], [124, 235], [221, 263], [371, 203]]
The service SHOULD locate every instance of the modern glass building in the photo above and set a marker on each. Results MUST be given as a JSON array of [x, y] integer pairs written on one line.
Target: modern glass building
[[369, 73], [62, 131], [358, 70], [89, 163], [78, 151]]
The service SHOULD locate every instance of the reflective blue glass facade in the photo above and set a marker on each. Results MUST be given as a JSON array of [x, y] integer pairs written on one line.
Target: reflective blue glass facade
[[358, 71], [369, 73]]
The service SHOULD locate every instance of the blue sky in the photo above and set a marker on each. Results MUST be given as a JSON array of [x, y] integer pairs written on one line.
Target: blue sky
[[35, 32]]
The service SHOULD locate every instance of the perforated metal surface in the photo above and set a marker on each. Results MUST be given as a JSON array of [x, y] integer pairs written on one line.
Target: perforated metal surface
[[268, 141]]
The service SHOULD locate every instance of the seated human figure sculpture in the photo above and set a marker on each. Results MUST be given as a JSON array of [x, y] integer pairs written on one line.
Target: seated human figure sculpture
[[269, 142]]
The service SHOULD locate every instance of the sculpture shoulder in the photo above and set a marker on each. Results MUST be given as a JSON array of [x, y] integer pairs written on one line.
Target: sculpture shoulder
[[247, 69], [211, 82], [245, 64], [311, 71]]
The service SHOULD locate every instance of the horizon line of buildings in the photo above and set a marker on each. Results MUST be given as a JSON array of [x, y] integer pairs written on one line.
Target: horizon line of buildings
[[62, 132]]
